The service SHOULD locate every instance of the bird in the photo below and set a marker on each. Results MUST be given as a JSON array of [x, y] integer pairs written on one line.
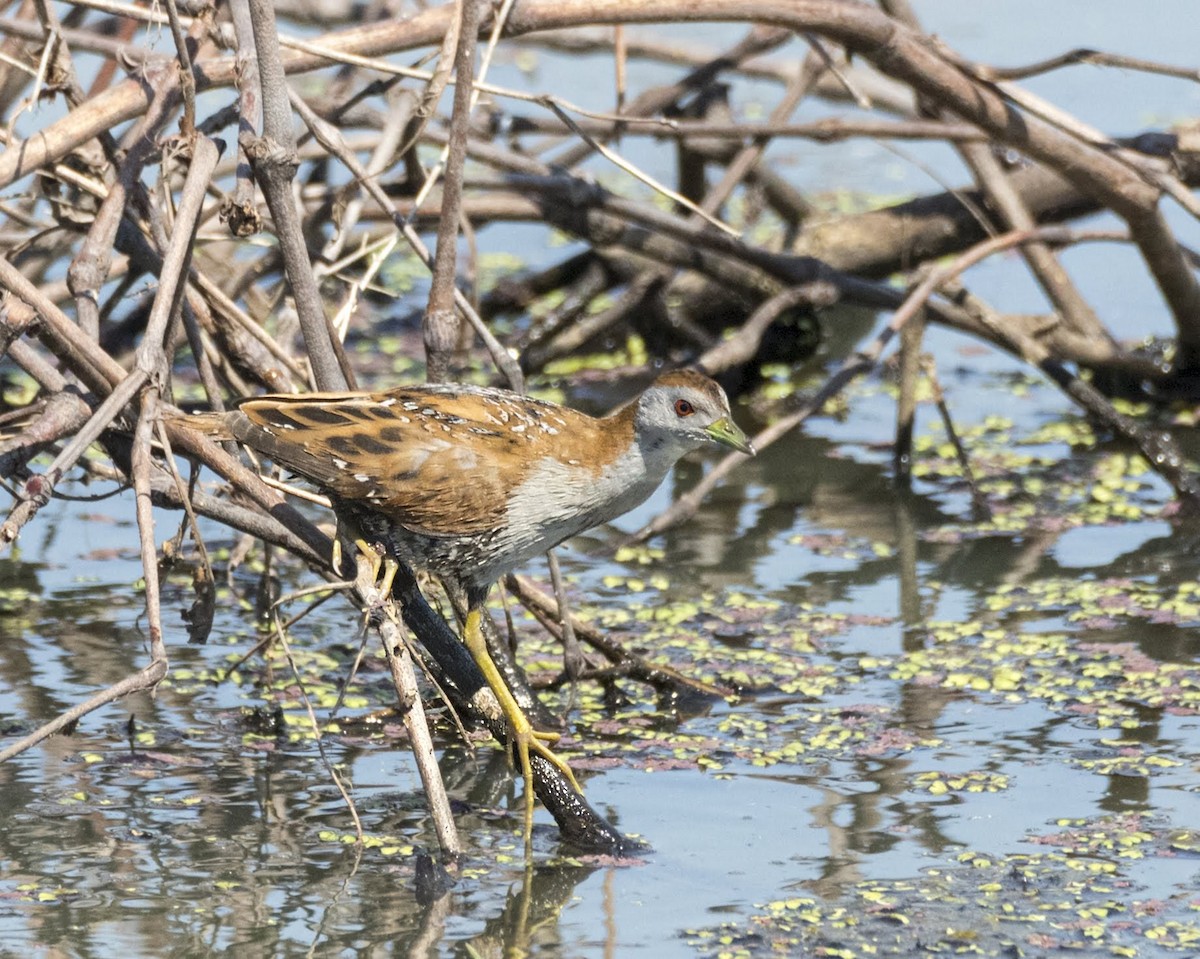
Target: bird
[[468, 483]]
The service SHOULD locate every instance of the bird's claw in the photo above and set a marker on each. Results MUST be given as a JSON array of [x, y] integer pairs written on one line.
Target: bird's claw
[[376, 572], [522, 736], [526, 740]]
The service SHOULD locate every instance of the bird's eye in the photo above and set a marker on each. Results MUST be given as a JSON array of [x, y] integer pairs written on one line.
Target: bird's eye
[[684, 408]]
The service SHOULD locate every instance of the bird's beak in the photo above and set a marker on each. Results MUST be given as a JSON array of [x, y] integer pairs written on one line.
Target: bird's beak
[[726, 432]]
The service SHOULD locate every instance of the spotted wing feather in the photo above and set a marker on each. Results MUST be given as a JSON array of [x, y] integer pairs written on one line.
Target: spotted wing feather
[[436, 462]]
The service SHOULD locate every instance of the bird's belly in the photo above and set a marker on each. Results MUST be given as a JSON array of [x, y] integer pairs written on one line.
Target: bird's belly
[[541, 514], [517, 546], [544, 514]]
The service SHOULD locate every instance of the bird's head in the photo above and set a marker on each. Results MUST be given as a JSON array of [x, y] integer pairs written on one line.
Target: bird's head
[[683, 410]]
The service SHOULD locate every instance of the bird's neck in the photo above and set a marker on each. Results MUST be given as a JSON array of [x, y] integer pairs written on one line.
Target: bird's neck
[[559, 499], [634, 467]]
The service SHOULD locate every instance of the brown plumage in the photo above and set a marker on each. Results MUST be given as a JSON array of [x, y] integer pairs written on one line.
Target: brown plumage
[[469, 482]]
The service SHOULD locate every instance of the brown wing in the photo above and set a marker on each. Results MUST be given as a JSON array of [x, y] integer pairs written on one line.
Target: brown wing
[[439, 462]]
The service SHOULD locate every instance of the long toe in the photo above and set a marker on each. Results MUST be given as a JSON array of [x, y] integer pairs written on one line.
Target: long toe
[[538, 742], [522, 739]]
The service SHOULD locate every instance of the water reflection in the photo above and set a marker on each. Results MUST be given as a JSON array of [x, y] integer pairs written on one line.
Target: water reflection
[[208, 813]]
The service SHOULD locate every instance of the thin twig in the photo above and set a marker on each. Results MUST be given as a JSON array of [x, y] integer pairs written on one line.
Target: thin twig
[[662, 677], [412, 713], [331, 138], [613, 157], [187, 82], [440, 324], [979, 502], [864, 360], [272, 156], [147, 677]]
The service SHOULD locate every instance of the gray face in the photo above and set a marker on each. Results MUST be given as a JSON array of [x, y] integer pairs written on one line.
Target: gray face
[[679, 417]]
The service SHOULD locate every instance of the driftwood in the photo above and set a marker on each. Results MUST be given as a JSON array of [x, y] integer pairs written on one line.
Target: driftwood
[[133, 182]]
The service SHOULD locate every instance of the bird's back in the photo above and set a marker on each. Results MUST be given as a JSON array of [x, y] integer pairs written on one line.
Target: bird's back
[[438, 460]]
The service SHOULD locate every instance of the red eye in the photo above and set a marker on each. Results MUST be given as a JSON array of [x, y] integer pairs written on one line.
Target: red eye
[[684, 408]]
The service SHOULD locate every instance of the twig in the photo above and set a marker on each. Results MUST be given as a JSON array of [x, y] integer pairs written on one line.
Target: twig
[[332, 140], [827, 130], [741, 347], [620, 63], [240, 211], [151, 362], [153, 672], [412, 713], [435, 83], [315, 725], [187, 81], [1170, 466], [911, 338], [143, 464], [386, 151], [272, 157], [37, 490], [979, 502], [573, 658], [475, 82], [796, 90], [440, 325], [1015, 215], [661, 677], [835, 69], [652, 102], [633, 171], [1090, 56], [147, 677]]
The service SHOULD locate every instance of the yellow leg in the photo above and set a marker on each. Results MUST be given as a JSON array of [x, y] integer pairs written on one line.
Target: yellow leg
[[524, 736]]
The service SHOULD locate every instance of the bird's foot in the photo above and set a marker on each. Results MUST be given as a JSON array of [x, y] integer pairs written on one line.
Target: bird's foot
[[376, 572], [537, 740], [525, 741], [523, 738]]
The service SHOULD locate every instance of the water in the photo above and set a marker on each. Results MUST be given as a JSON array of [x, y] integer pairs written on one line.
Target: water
[[236, 834]]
